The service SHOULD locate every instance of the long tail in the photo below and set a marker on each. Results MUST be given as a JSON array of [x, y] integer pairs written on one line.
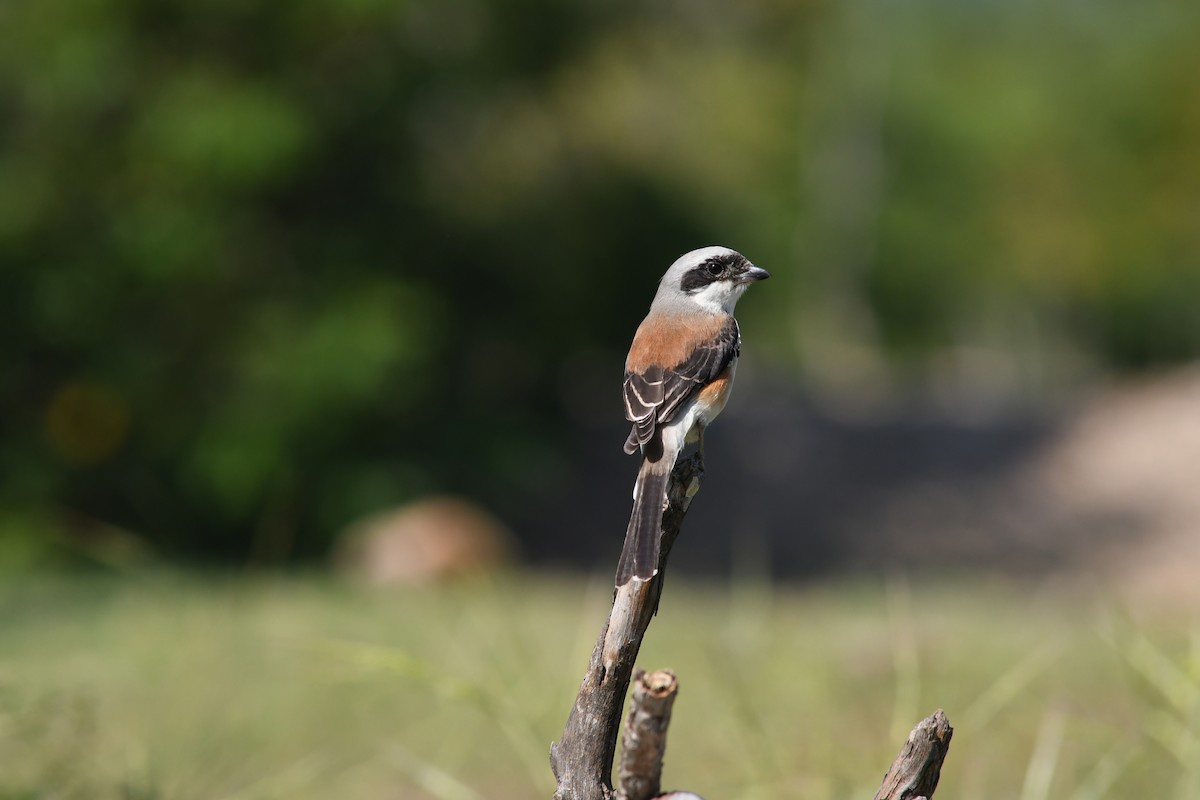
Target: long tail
[[639, 557]]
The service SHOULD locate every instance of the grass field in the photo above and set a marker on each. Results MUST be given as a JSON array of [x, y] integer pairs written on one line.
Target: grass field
[[168, 685]]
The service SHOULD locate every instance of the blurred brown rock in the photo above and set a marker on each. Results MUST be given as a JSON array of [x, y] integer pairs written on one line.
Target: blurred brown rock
[[1134, 450], [423, 542]]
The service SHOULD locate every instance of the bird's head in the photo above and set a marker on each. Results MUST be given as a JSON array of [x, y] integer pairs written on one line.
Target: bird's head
[[712, 277]]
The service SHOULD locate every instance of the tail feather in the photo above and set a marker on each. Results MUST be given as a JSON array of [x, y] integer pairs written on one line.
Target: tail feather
[[639, 557]]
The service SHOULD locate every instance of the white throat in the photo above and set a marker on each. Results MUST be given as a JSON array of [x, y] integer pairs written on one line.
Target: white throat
[[719, 297]]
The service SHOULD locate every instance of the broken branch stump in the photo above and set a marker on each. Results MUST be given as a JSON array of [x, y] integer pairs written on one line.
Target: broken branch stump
[[915, 772], [644, 742]]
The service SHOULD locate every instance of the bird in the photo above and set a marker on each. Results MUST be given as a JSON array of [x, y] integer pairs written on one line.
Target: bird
[[678, 376]]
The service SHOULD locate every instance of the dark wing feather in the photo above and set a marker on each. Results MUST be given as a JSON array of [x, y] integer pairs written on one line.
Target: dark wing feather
[[654, 397], [643, 395]]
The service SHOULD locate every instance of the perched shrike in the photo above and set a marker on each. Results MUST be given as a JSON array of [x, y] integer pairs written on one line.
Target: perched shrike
[[677, 379]]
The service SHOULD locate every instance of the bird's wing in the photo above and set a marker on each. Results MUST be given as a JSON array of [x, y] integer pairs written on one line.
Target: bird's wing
[[654, 395]]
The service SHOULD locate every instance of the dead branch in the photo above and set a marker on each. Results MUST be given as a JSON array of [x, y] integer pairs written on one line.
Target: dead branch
[[915, 772], [644, 743], [582, 759]]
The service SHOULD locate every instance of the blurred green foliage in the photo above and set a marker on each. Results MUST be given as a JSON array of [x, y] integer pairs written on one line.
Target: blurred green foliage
[[266, 267]]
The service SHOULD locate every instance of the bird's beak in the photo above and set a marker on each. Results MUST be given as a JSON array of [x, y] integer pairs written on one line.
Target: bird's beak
[[753, 274]]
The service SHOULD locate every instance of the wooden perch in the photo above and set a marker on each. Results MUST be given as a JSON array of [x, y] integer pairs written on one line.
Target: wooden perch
[[915, 772], [582, 759], [645, 740]]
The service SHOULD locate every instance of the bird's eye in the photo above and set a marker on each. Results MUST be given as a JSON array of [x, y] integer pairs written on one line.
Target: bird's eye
[[713, 268]]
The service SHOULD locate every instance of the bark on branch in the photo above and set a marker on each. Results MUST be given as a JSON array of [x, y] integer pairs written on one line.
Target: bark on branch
[[582, 759], [915, 772]]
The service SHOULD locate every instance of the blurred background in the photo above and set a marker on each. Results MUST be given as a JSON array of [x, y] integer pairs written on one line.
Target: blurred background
[[271, 270], [351, 282]]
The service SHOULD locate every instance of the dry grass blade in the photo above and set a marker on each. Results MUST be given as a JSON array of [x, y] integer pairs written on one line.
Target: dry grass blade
[[1009, 686], [1043, 763], [438, 783]]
